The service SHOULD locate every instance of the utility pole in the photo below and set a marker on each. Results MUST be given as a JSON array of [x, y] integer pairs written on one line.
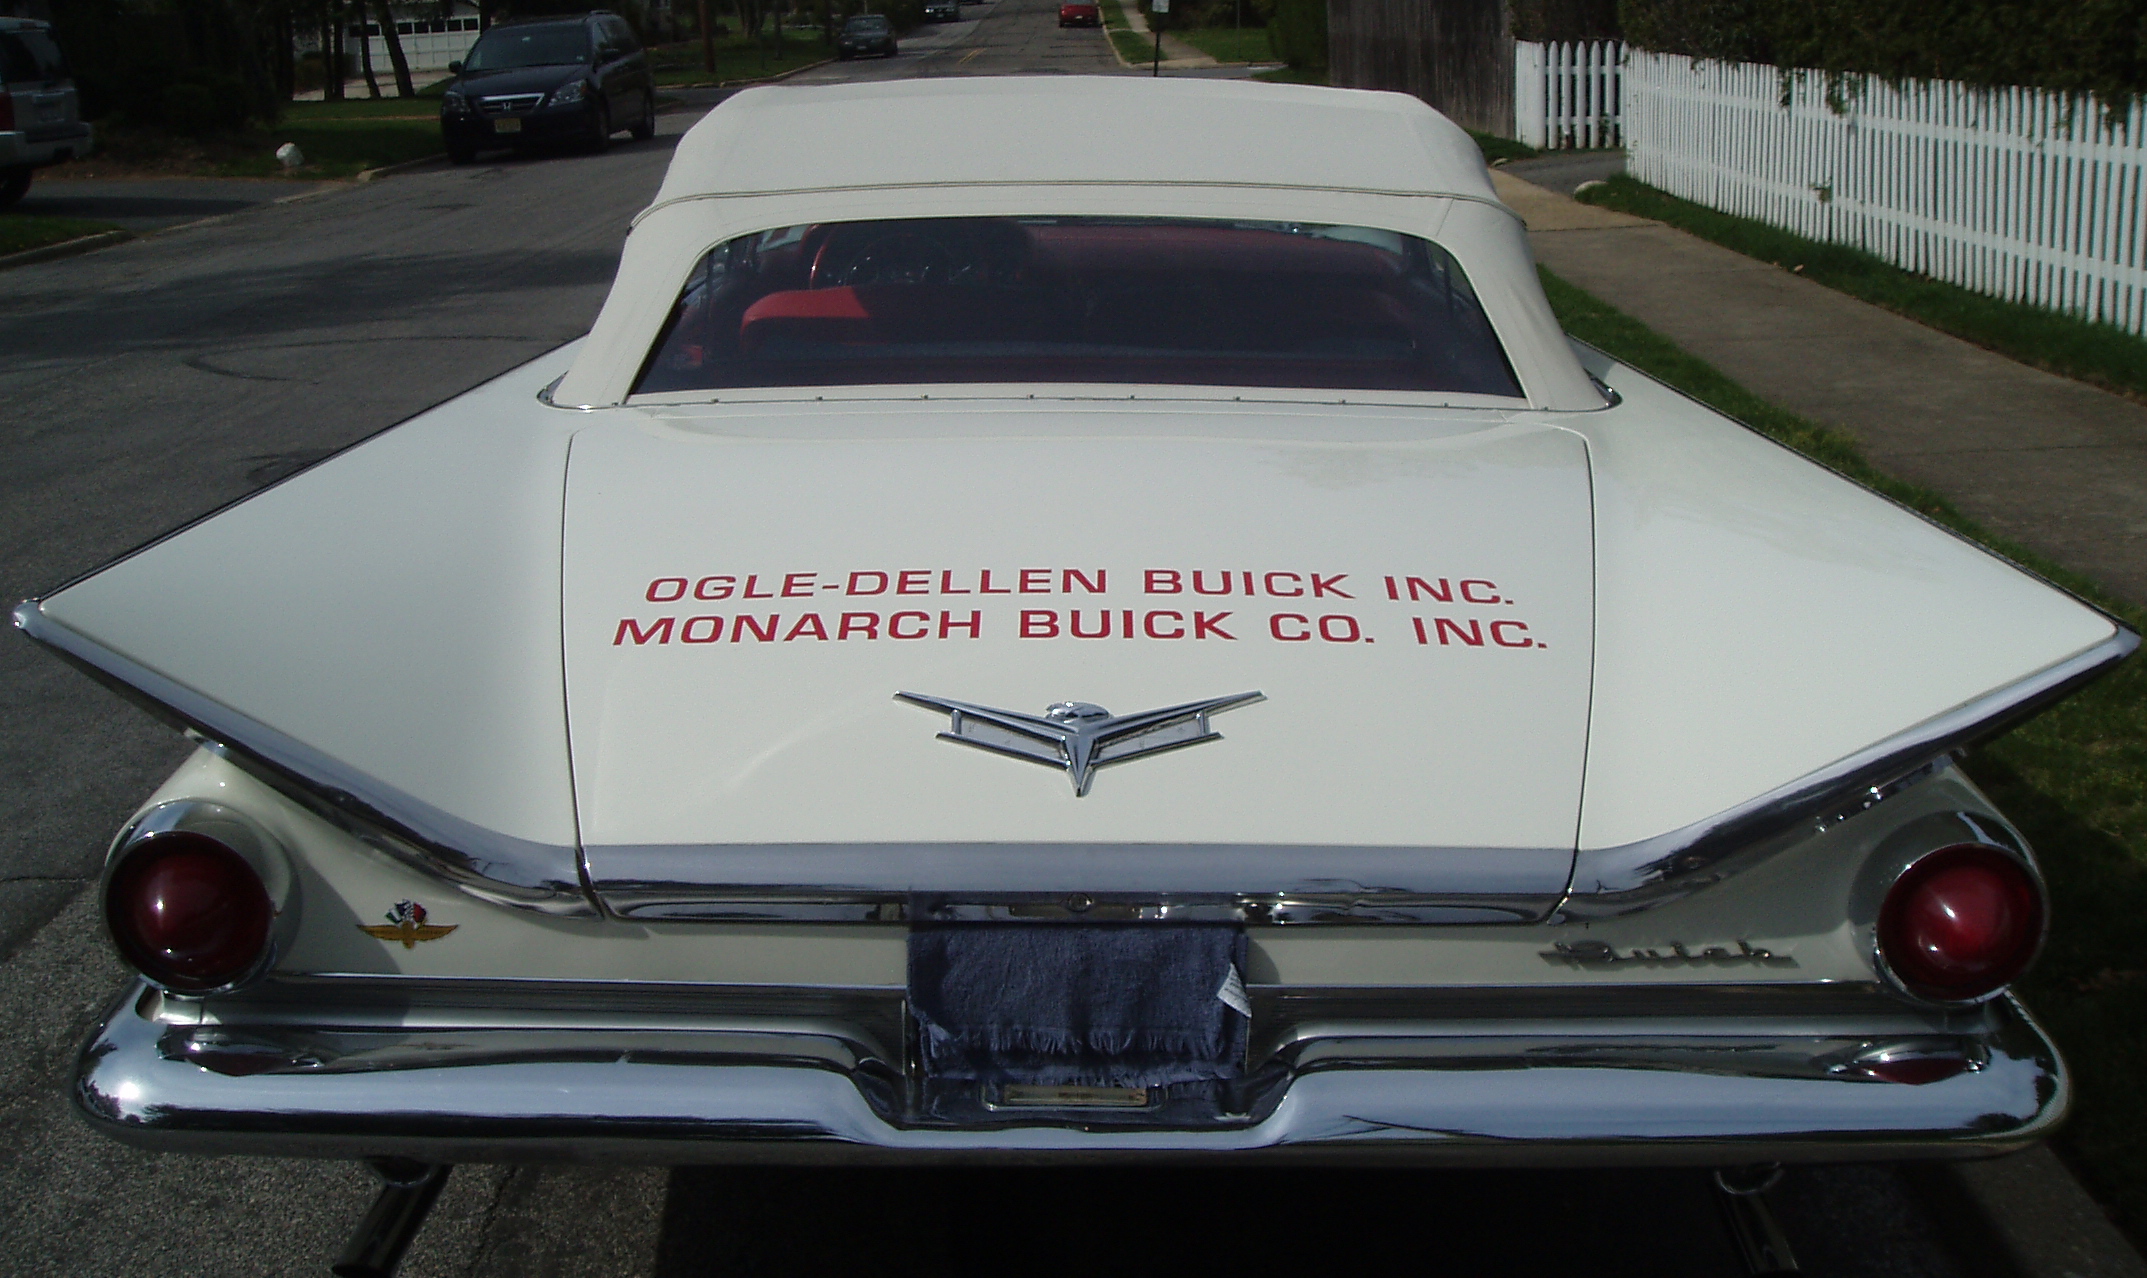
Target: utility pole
[[708, 38], [1156, 10]]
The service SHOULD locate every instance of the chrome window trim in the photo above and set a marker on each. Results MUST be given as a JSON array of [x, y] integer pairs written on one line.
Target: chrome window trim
[[482, 862], [1608, 882]]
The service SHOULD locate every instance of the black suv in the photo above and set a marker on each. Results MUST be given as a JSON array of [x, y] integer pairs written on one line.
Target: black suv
[[548, 80]]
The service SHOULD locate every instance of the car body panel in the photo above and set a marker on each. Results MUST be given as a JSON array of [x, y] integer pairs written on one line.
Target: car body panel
[[274, 608]]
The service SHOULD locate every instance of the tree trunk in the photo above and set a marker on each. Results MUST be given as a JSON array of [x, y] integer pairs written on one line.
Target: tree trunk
[[365, 56], [403, 87], [708, 37], [336, 69]]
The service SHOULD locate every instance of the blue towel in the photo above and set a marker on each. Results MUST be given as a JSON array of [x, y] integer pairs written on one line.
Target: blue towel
[[1101, 1005]]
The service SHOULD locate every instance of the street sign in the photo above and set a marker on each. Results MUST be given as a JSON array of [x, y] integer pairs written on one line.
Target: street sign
[[1159, 6]]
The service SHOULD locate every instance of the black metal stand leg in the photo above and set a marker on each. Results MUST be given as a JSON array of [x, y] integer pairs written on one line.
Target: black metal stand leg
[[407, 1191], [1758, 1235]]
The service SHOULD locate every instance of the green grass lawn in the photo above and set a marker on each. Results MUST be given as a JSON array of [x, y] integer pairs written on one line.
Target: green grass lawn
[[2100, 354], [335, 148], [737, 58], [1133, 46], [20, 232], [1228, 44], [2074, 779], [1498, 148]]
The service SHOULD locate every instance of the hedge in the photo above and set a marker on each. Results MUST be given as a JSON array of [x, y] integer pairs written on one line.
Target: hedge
[[2092, 46]]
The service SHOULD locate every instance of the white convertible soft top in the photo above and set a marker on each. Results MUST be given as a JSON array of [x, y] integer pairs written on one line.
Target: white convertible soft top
[[1081, 129], [1110, 146]]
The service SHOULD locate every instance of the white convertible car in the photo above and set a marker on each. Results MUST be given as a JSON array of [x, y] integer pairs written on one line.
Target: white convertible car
[[1142, 640]]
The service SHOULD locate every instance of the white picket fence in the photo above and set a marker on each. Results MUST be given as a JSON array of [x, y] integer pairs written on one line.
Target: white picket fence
[[1567, 95], [2025, 194]]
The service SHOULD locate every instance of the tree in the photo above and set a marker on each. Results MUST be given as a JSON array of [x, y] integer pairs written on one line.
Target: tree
[[403, 87]]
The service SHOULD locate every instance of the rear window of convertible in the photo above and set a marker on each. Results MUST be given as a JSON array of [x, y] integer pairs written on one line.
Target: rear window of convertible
[[1066, 299]]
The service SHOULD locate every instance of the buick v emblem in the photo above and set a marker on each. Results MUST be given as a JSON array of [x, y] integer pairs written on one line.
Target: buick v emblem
[[1077, 736]]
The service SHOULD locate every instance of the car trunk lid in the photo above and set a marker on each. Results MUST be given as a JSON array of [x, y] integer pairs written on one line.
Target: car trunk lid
[[747, 591]]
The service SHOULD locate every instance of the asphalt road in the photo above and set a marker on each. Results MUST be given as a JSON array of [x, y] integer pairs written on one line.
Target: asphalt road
[[151, 204], [151, 383]]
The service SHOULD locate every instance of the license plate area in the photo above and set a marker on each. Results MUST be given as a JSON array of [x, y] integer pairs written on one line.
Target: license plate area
[[1066, 1096], [507, 126]]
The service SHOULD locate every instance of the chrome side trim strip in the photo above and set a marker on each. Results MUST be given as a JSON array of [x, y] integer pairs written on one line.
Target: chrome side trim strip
[[482, 862], [1621, 880], [1255, 883]]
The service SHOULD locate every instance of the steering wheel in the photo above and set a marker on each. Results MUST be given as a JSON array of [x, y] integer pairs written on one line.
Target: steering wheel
[[898, 257]]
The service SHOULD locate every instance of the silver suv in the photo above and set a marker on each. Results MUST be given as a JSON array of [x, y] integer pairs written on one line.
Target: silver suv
[[40, 120]]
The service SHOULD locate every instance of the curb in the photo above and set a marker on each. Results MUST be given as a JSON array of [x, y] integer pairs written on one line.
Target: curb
[[389, 170], [65, 248], [736, 84]]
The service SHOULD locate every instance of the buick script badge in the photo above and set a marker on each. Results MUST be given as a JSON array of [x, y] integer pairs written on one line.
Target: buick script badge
[[1077, 736]]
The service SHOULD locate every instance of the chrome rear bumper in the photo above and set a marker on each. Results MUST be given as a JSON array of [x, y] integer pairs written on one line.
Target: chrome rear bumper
[[1340, 1082]]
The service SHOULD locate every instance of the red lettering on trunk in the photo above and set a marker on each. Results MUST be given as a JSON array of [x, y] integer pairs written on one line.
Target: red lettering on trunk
[[947, 623], [1161, 581], [879, 583], [661, 590], [714, 587], [1072, 575], [1205, 625], [924, 625], [1338, 627], [1035, 581], [1473, 636], [1325, 586], [863, 624], [1498, 635], [1274, 626], [916, 582], [741, 624], [798, 585], [1443, 592], [659, 630], [1039, 625], [1148, 625], [715, 630], [809, 624], [1468, 592]]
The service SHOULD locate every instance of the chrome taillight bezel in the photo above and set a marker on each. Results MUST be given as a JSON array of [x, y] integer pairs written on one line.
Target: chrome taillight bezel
[[1914, 845], [261, 852]]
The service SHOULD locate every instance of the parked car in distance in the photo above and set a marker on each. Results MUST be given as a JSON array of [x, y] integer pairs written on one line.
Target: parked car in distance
[[866, 33], [557, 81], [1080, 15], [942, 10], [40, 116]]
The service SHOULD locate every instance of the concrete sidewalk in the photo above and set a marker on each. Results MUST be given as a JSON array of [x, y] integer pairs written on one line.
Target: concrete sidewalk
[[1177, 54], [2049, 463]]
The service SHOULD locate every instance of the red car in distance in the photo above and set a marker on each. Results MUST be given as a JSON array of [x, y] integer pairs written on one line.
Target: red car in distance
[[1080, 15]]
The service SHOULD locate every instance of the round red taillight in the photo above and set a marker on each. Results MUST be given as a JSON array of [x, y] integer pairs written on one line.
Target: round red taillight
[[188, 912], [1961, 923]]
